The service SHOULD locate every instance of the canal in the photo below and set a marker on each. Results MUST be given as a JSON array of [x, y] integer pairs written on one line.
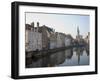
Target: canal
[[74, 56]]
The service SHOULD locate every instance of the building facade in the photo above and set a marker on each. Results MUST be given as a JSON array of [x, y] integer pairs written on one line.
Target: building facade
[[53, 40], [59, 40], [33, 38], [68, 40], [45, 38], [87, 38]]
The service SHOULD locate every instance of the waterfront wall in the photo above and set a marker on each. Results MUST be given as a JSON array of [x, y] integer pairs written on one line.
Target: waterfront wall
[[44, 38]]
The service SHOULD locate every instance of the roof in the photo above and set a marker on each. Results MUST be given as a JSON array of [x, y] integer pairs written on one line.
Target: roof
[[28, 26]]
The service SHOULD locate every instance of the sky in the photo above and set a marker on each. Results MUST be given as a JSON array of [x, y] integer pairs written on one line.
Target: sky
[[65, 23]]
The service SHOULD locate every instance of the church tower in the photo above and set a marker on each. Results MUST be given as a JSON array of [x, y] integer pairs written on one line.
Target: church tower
[[78, 32]]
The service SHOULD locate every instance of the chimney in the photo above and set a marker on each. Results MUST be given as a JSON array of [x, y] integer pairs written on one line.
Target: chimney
[[32, 24], [37, 24]]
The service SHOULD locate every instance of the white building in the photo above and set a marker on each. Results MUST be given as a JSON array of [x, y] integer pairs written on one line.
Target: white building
[[52, 40], [59, 40], [68, 40], [87, 38], [33, 39]]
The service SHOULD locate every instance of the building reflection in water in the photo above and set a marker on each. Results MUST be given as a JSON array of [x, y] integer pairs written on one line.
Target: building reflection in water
[[69, 57], [79, 52]]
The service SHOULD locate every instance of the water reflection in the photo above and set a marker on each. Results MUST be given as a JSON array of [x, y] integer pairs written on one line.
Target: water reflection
[[69, 57]]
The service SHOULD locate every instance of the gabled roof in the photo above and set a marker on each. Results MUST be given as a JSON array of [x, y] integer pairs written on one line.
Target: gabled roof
[[28, 26]]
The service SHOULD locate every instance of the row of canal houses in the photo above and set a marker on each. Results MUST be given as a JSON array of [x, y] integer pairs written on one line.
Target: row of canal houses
[[44, 38]]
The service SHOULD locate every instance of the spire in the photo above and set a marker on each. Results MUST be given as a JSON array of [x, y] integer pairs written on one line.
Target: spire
[[78, 32]]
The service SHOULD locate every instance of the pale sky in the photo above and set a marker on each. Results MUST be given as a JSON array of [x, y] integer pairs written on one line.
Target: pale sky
[[65, 23]]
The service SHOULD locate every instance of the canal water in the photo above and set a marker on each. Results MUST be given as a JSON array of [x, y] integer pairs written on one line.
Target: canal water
[[70, 57]]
